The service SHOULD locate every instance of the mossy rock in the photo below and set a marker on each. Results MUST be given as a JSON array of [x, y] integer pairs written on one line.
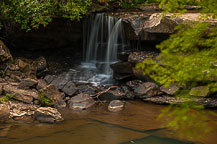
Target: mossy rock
[[201, 91]]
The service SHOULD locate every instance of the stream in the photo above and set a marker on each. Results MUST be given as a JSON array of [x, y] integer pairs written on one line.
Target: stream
[[135, 124]]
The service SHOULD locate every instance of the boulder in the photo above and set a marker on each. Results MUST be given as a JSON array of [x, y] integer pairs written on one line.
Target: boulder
[[59, 82], [4, 112], [27, 83], [122, 67], [200, 91], [161, 24], [53, 95], [22, 65], [81, 102], [134, 84], [4, 52], [128, 94], [41, 84], [49, 78], [19, 109], [25, 96], [116, 106], [147, 89], [48, 115], [69, 88], [171, 90]]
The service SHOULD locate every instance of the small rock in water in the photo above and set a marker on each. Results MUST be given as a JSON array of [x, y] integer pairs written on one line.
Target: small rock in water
[[81, 102], [147, 89], [116, 106], [48, 115]]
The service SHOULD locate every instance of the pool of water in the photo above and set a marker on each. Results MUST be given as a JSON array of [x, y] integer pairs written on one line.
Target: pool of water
[[135, 124]]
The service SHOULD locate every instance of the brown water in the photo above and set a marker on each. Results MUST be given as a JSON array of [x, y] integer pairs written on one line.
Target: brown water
[[135, 124]]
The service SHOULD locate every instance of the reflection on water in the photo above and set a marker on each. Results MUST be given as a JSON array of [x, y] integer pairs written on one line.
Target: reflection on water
[[136, 124]]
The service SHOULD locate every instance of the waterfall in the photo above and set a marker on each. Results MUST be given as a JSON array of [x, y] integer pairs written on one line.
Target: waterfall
[[103, 39]]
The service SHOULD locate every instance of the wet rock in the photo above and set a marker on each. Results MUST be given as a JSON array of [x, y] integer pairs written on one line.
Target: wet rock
[[69, 88], [147, 89], [59, 82], [53, 94], [81, 102], [112, 94], [122, 67], [128, 94], [207, 102], [63, 84], [171, 90], [41, 84], [117, 93], [49, 78], [4, 112], [87, 89], [201, 91], [48, 115], [25, 96], [116, 106], [27, 83], [164, 100], [4, 52], [134, 84], [19, 109]]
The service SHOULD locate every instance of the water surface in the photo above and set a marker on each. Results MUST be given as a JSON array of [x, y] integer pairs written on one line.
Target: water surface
[[135, 124]]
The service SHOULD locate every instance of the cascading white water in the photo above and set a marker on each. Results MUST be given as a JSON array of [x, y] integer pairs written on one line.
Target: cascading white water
[[103, 39]]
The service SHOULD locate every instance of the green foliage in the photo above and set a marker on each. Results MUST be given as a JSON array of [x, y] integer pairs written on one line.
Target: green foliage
[[6, 98], [207, 6], [44, 99], [130, 3], [187, 57], [33, 13]]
